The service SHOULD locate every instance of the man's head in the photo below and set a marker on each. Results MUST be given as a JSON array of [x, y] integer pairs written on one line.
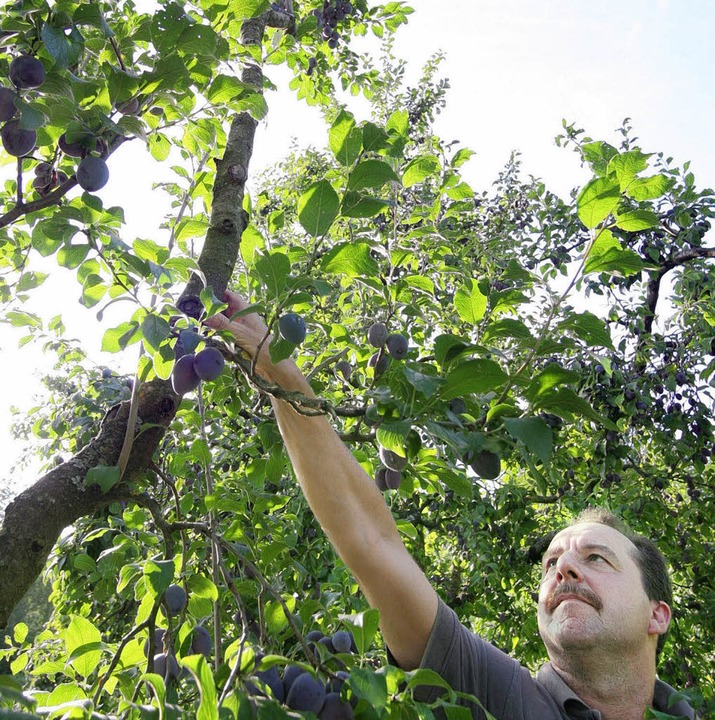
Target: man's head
[[603, 585]]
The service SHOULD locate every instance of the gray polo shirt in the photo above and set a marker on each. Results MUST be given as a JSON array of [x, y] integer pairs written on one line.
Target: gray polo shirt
[[506, 689]]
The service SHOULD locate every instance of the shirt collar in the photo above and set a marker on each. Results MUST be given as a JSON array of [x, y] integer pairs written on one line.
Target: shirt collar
[[573, 706]]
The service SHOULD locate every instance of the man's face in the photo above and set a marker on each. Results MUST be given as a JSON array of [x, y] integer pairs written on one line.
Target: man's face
[[591, 593]]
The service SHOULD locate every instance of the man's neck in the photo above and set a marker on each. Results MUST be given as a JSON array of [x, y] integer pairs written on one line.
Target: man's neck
[[620, 688]]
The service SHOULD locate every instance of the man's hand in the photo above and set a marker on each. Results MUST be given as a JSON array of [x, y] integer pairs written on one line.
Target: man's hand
[[251, 333]]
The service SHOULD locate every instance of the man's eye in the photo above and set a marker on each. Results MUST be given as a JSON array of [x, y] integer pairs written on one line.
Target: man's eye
[[550, 563], [595, 556]]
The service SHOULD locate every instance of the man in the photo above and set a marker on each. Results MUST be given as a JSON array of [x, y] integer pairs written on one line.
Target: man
[[600, 627]]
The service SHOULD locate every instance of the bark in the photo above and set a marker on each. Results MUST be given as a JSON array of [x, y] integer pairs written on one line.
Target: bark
[[35, 519]]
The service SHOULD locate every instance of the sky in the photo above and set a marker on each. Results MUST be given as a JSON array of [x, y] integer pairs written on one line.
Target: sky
[[516, 69]]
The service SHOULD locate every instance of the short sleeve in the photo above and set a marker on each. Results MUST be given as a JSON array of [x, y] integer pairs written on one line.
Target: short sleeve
[[472, 665]]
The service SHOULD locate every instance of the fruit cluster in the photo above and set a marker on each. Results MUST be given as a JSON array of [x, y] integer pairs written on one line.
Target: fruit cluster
[[190, 369], [28, 73], [388, 346], [300, 690], [329, 16]]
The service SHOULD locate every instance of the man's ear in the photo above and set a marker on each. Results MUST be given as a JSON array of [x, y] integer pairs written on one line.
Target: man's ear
[[659, 618]]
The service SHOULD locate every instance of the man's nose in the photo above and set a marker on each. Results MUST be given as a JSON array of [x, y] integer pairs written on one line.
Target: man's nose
[[567, 568]]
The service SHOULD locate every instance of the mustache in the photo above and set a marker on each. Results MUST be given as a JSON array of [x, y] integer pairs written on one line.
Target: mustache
[[572, 588]]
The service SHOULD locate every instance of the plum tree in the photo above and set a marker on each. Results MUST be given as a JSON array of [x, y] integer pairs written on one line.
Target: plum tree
[[292, 328], [7, 104], [307, 694], [92, 173], [26, 71], [208, 363], [17, 140], [183, 375], [397, 346], [175, 599], [392, 460], [377, 334]]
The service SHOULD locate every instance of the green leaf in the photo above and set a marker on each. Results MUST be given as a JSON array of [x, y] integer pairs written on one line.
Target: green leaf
[[66, 50], [317, 208], [352, 260], [420, 169], [201, 670], [473, 376], [566, 404], [20, 318], [369, 686], [627, 165], [391, 435], [470, 303], [273, 268], [398, 122], [190, 228], [81, 633], [636, 220], [374, 138], [159, 146], [357, 205], [249, 8], [371, 174], [251, 242], [589, 328], [607, 255], [202, 587], [364, 626], [534, 433], [598, 154], [649, 188], [598, 199], [71, 256], [119, 338], [276, 619], [106, 476], [155, 330], [91, 14], [424, 676], [160, 574], [422, 382], [345, 139]]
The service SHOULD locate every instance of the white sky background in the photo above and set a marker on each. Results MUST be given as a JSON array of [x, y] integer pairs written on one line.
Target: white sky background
[[516, 68]]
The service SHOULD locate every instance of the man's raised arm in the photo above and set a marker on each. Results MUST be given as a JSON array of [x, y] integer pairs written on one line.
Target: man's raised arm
[[346, 503]]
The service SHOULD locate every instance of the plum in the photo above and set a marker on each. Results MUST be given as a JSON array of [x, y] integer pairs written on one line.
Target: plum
[[380, 480], [306, 694], [397, 346], [92, 173], [486, 464], [335, 708], [208, 363], [26, 72], [379, 362], [175, 599], [201, 641], [292, 328], [183, 376], [16, 140], [7, 104], [345, 369], [342, 641], [158, 641], [392, 460], [129, 107], [166, 665], [393, 479], [377, 334], [290, 674], [273, 680], [189, 339], [76, 148]]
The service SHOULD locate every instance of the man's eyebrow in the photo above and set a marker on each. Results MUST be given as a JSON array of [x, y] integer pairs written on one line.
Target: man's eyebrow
[[603, 549]]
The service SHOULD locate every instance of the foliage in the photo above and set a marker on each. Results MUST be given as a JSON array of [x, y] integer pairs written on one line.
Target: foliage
[[536, 331]]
